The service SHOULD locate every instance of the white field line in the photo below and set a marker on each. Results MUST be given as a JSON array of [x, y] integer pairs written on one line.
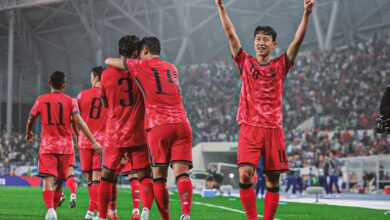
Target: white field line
[[222, 207]]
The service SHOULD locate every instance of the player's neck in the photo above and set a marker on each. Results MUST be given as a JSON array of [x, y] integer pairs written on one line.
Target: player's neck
[[96, 85], [263, 60], [56, 91], [151, 56]]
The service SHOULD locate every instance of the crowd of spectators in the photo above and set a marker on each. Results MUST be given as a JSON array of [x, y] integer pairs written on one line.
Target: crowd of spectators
[[340, 88], [15, 151]]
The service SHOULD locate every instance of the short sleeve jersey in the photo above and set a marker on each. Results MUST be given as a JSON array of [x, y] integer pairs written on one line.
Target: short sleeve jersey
[[261, 92], [159, 82], [126, 110], [55, 110], [94, 115]]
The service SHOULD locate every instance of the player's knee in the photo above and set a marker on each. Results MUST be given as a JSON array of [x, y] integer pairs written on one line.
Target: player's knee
[[109, 175], [246, 174], [145, 173], [272, 180]]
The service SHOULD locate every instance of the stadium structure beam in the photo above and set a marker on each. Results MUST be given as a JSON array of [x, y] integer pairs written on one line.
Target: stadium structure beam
[[66, 50], [373, 27], [14, 4], [372, 13], [92, 34], [332, 22], [48, 18], [317, 27], [10, 73], [131, 17]]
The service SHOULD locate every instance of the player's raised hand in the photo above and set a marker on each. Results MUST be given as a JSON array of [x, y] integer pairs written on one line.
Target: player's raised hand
[[98, 148], [219, 2], [309, 5], [30, 137]]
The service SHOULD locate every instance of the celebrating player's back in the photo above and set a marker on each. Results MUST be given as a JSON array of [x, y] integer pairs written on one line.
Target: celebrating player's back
[[169, 132], [93, 113], [57, 111], [125, 132]]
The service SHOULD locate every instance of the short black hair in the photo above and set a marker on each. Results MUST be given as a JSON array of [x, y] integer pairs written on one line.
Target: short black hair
[[127, 45], [267, 30], [152, 43], [97, 71], [57, 79]]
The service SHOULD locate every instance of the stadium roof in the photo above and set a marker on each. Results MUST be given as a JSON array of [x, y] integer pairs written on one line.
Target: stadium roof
[[75, 35]]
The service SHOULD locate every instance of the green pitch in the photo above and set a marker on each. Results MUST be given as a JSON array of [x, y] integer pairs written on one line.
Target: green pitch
[[26, 203]]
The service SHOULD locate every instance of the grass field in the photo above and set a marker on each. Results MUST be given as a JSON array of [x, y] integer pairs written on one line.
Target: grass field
[[26, 203]]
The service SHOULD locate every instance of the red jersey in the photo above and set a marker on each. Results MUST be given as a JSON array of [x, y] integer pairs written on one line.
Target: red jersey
[[94, 115], [159, 83], [261, 92], [55, 110], [126, 110]]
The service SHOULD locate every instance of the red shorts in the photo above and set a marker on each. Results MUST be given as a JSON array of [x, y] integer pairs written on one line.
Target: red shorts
[[90, 160], [170, 143], [55, 165], [138, 158], [72, 160], [254, 142]]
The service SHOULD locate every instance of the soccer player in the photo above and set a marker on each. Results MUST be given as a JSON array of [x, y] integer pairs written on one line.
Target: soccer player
[[169, 131], [93, 113], [125, 131], [260, 108], [57, 111]]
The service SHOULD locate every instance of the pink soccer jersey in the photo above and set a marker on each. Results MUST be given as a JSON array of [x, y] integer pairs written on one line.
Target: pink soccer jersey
[[159, 83], [261, 92], [55, 110], [94, 115]]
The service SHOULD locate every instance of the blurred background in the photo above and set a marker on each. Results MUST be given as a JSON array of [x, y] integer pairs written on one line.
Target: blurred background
[[331, 96]]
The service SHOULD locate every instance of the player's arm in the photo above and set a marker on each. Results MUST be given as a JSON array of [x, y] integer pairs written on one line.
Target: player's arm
[[84, 128], [293, 49], [228, 27], [116, 62], [29, 126], [75, 129]]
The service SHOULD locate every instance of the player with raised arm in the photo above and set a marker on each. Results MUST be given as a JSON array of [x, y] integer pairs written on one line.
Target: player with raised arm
[[125, 133], [260, 108], [57, 111], [95, 116], [169, 131]]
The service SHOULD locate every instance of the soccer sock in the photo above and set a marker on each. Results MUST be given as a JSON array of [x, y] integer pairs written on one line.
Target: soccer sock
[[48, 198], [93, 196], [71, 184], [248, 200], [57, 197], [184, 188], [147, 194], [161, 195], [104, 196], [271, 202], [114, 195], [135, 192]]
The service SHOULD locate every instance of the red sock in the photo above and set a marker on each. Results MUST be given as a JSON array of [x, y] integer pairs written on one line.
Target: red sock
[[135, 193], [93, 196], [147, 192], [48, 198], [71, 183], [104, 194], [184, 188], [57, 197], [248, 200], [271, 202], [162, 197], [114, 195]]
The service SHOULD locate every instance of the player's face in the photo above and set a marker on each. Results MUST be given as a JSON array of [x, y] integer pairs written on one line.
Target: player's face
[[92, 80], [263, 44]]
